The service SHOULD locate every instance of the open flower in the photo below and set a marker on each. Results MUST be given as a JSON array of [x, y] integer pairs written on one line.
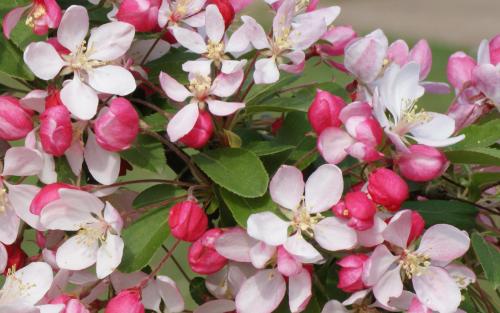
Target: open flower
[[92, 62], [98, 228], [203, 91], [41, 15], [322, 190], [181, 11]]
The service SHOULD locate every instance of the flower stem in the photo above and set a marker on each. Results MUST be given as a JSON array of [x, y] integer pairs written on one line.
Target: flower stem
[[183, 272], [160, 265]]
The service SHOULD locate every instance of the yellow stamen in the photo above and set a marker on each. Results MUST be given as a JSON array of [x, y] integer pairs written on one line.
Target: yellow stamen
[[36, 12], [414, 264]]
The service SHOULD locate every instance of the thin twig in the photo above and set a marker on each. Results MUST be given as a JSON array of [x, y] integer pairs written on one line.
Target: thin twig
[[152, 107], [145, 181], [482, 207], [178, 265], [297, 87], [304, 157], [160, 265], [451, 181]]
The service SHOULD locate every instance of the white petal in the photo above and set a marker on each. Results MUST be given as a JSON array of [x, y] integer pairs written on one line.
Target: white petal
[[266, 71], [3, 257], [35, 100], [287, 187], [80, 99], [20, 161], [183, 122], [462, 275], [189, 39], [10, 225], [73, 27], [333, 234], [113, 217], [444, 243], [47, 174], [261, 293], [58, 215], [109, 255], [437, 131], [74, 155], [77, 253], [38, 275], [333, 143], [173, 89], [333, 306], [110, 41], [261, 253], [299, 291], [373, 236], [223, 108], [226, 85], [214, 23], [20, 196], [103, 165], [302, 250], [377, 265], [112, 79], [398, 229], [232, 66], [170, 294], [81, 200], [216, 306], [389, 286], [43, 60], [51, 308], [266, 226], [235, 245], [437, 290], [201, 66], [356, 296], [139, 49], [324, 188]]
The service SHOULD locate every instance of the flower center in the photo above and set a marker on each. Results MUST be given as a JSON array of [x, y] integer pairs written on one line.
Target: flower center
[[79, 60], [304, 222], [215, 51], [4, 200], [36, 13], [180, 10], [414, 264], [411, 116], [14, 287], [282, 42], [89, 234], [200, 86], [301, 5]]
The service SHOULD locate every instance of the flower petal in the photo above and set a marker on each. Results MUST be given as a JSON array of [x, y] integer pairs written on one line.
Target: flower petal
[[103, 165], [11, 19], [38, 275], [398, 229], [189, 39], [444, 243], [80, 99], [58, 215], [81, 200], [261, 253], [223, 108], [261, 293], [226, 85], [20, 196], [109, 255], [170, 294], [268, 227], [20, 161], [10, 225], [324, 188], [299, 291], [266, 71], [373, 236], [73, 27], [333, 306], [173, 89], [235, 245], [183, 122], [77, 253], [437, 290], [3, 258], [287, 187], [388, 286], [333, 235], [43, 60], [333, 143], [302, 250], [377, 265], [110, 41], [112, 79], [214, 23], [216, 306]]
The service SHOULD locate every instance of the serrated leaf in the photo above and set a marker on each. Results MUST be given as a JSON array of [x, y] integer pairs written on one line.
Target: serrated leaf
[[22, 35], [489, 257], [456, 213], [156, 194], [262, 148], [156, 122], [143, 238], [11, 61], [235, 169], [478, 136], [241, 208], [483, 156], [147, 153]]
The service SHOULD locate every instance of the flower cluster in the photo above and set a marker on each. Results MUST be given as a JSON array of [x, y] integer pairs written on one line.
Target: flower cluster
[[142, 126]]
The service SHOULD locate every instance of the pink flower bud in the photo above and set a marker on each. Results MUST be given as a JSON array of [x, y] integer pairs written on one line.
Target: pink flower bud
[[187, 221], [142, 14], [324, 111], [201, 132], [360, 209], [422, 163], [56, 130], [398, 52], [417, 226], [387, 188], [117, 127], [15, 121], [495, 50], [51, 17], [128, 300], [46, 195], [421, 53], [338, 37], [202, 256], [226, 9], [350, 274], [459, 69], [365, 129], [287, 264]]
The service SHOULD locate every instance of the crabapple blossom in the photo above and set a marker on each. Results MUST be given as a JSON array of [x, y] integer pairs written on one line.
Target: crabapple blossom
[[358, 208], [71, 305], [422, 163], [127, 300], [187, 221], [142, 14], [203, 257], [387, 188], [40, 16], [46, 195], [325, 110], [226, 9], [98, 227], [181, 11], [91, 62], [16, 120]]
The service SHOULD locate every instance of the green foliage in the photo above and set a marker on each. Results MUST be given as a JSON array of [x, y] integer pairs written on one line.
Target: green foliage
[[147, 153], [156, 122], [263, 148], [479, 136], [241, 208], [11, 61], [489, 257], [456, 213], [157, 194], [482, 156]]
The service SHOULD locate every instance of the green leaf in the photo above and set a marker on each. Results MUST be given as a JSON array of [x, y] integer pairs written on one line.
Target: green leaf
[[22, 35], [143, 238], [147, 153], [456, 213], [489, 257], [156, 194], [242, 208], [237, 170], [171, 63], [156, 122], [479, 136], [11, 61], [483, 156], [262, 148], [270, 90]]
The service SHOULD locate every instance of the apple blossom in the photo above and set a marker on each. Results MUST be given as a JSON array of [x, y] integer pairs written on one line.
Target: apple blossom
[[358, 208], [187, 221], [142, 14], [203, 258], [92, 62], [181, 11], [127, 300], [16, 121], [41, 15], [201, 133], [422, 163], [226, 9]]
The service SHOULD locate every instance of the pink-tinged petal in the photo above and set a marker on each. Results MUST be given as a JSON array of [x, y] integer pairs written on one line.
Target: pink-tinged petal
[[305, 35], [239, 5], [216, 306], [139, 49], [34, 100], [48, 174], [436, 88], [437, 290], [298, 62], [287, 187], [327, 15], [398, 52], [182, 122], [77, 253], [357, 108], [21, 196], [112, 79], [81, 200], [164, 13], [255, 33], [400, 303], [43, 60], [266, 71], [196, 21], [57, 215], [444, 243], [299, 291], [226, 85], [261, 253], [173, 89], [170, 294], [11, 19], [223, 108], [422, 54], [388, 286], [373, 236], [462, 275], [20, 161], [334, 235], [288, 265], [356, 297], [189, 39], [235, 245], [459, 69], [102, 164], [487, 79], [10, 225], [201, 66], [268, 227], [483, 53], [80, 99], [239, 40], [232, 66], [398, 229], [74, 155], [214, 23], [437, 131], [110, 41], [3, 258], [283, 19], [113, 217], [73, 27], [261, 293], [324, 188], [333, 143], [333, 306], [302, 250], [417, 307], [377, 265], [109, 255]]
